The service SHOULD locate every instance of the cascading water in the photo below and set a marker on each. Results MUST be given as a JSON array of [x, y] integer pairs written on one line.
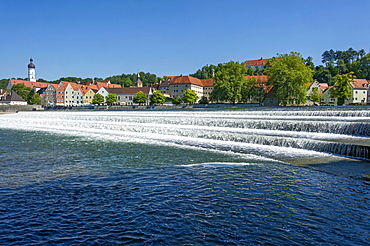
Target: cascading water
[[279, 134]]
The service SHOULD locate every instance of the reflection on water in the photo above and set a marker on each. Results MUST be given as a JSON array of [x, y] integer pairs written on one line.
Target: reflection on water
[[158, 178]]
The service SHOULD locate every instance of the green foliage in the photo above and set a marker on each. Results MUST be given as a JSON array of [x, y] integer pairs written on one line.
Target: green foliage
[[111, 98], [315, 95], [176, 100], [4, 83], [229, 81], [140, 97], [25, 92], [290, 76], [342, 88], [323, 75], [205, 72], [98, 99], [342, 62], [251, 92], [35, 99], [189, 96], [157, 98], [203, 100]]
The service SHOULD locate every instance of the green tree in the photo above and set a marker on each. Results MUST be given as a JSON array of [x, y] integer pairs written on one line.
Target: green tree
[[290, 76], [35, 99], [342, 88], [157, 98], [111, 98], [323, 75], [140, 98], [315, 95], [203, 100], [206, 72], [189, 96], [25, 92], [98, 99], [176, 100], [250, 91], [229, 81]]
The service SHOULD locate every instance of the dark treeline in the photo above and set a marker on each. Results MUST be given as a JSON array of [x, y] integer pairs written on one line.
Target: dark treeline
[[124, 80]]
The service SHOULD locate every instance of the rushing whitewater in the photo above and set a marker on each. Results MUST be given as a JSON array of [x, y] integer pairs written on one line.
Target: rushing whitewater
[[276, 134]]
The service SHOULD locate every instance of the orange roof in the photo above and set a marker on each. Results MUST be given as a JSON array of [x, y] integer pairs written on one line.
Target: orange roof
[[259, 78], [191, 80], [28, 83], [207, 82], [257, 62], [360, 84], [323, 86]]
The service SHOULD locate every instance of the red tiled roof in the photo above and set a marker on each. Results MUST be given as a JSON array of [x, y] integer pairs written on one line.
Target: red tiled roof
[[191, 80], [29, 84], [186, 80], [323, 86], [360, 84], [257, 62], [207, 82]]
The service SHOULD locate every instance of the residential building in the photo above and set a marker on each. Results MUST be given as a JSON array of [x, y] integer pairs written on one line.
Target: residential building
[[179, 84], [50, 95], [359, 91], [12, 99], [260, 63], [125, 95]]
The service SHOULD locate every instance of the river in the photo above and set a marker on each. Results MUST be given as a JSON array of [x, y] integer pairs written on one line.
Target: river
[[292, 176]]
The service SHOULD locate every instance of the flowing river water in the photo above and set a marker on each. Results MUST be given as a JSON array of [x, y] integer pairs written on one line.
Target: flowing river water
[[292, 176]]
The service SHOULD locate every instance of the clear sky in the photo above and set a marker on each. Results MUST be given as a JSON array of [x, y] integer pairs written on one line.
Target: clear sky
[[87, 38]]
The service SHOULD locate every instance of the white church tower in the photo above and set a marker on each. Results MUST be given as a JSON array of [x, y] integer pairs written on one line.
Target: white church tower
[[31, 71]]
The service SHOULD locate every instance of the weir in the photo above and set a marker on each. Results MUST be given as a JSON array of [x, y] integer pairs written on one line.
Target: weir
[[278, 133]]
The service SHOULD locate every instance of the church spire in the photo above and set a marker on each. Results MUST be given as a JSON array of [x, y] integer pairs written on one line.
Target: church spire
[[31, 71], [138, 83]]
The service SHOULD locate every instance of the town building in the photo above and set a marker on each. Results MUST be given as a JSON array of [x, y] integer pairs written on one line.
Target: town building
[[257, 64], [31, 71], [359, 91], [12, 98]]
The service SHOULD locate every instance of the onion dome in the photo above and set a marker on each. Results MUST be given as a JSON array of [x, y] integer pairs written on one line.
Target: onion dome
[[31, 65]]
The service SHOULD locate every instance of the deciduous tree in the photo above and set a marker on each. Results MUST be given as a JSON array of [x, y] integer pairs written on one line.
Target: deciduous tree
[[140, 98], [229, 81], [111, 98], [189, 96], [157, 98], [98, 99], [290, 76], [342, 89]]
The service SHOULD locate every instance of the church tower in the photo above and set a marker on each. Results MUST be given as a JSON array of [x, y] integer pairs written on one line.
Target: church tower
[[138, 83], [31, 71]]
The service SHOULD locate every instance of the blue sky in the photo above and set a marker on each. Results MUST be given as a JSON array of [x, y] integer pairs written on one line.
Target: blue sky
[[86, 38]]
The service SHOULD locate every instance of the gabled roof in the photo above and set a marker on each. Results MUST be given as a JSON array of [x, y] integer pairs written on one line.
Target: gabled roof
[[191, 80], [360, 84], [207, 82], [186, 80], [257, 62], [323, 86], [28, 83], [13, 97]]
